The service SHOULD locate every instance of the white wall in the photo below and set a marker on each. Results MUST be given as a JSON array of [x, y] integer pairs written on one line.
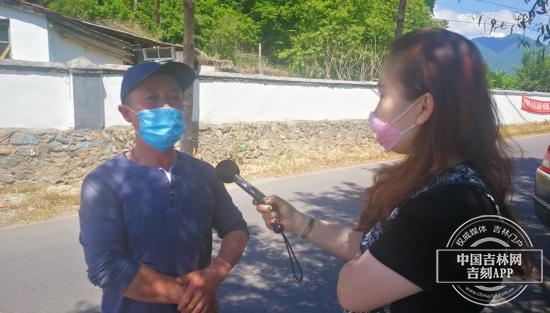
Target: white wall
[[35, 100], [34, 39], [28, 35], [36, 95], [63, 49], [112, 100], [229, 98], [254, 99], [509, 106], [234, 101]]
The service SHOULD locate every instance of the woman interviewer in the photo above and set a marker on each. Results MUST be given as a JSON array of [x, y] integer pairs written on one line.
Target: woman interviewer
[[436, 110]]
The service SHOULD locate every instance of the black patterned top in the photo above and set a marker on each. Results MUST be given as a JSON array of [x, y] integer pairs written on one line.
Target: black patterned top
[[456, 182]]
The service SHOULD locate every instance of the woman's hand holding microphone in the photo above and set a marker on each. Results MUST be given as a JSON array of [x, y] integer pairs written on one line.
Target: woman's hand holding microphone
[[277, 209]]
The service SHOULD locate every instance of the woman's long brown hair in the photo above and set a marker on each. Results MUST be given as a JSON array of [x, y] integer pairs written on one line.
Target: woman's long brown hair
[[464, 122]]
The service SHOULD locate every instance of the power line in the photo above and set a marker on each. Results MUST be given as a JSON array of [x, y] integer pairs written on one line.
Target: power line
[[450, 5], [494, 29], [504, 23], [522, 11], [488, 14], [511, 7], [503, 5], [497, 24]]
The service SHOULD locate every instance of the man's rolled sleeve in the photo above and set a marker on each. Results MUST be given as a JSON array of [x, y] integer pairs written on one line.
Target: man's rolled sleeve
[[103, 237]]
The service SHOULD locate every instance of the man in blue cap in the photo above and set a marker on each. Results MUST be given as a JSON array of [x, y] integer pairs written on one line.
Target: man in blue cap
[[146, 216]]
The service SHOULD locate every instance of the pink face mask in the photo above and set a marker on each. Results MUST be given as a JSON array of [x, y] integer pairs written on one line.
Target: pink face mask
[[387, 134]]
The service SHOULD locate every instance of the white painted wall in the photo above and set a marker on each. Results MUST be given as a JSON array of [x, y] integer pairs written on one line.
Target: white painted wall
[[36, 97], [233, 101], [34, 39], [35, 100], [510, 112], [112, 100], [63, 49], [245, 100], [28, 35]]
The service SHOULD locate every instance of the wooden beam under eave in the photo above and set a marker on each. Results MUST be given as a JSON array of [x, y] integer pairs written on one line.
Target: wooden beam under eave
[[100, 45], [5, 52], [84, 31], [120, 54]]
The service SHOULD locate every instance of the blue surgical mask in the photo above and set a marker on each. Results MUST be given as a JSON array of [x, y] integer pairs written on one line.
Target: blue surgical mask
[[160, 128]]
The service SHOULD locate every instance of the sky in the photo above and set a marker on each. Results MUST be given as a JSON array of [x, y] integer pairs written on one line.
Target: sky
[[463, 16]]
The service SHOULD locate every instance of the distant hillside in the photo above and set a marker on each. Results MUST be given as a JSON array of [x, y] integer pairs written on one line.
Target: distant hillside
[[505, 53]]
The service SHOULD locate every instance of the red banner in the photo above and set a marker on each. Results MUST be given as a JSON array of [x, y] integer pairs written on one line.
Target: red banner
[[535, 106]]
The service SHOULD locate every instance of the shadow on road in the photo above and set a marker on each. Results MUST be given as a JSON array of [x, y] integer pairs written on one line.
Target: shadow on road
[[85, 307], [263, 281], [536, 298]]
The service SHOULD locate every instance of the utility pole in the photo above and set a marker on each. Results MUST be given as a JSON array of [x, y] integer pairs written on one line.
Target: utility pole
[[157, 12], [260, 58], [187, 141], [400, 18]]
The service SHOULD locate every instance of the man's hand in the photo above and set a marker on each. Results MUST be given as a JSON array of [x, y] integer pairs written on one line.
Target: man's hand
[[201, 286]]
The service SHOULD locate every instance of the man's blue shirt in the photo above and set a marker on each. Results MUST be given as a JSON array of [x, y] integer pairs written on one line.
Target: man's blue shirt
[[132, 214]]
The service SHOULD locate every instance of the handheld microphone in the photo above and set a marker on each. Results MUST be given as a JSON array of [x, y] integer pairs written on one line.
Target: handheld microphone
[[228, 172]]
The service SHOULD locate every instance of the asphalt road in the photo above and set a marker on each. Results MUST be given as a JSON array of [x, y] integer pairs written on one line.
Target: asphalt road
[[42, 267]]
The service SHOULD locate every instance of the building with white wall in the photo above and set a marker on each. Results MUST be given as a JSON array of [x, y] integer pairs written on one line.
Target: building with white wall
[[30, 32]]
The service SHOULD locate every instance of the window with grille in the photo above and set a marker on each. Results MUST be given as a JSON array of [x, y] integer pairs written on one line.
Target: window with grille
[[5, 46], [159, 54]]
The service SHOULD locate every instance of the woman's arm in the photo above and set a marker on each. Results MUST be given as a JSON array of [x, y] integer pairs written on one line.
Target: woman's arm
[[337, 239], [340, 240], [365, 284]]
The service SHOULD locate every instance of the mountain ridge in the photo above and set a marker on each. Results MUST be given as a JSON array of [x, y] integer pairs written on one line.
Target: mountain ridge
[[504, 53]]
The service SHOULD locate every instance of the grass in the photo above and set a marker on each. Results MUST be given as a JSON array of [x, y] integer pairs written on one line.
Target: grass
[[23, 204], [305, 161], [525, 129]]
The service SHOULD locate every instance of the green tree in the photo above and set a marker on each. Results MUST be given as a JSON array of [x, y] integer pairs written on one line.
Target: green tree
[[170, 28], [222, 27], [277, 21], [315, 38], [501, 80], [339, 39], [223, 30], [92, 11], [534, 75]]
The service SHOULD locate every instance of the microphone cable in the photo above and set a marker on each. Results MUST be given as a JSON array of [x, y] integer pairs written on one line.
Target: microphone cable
[[293, 260]]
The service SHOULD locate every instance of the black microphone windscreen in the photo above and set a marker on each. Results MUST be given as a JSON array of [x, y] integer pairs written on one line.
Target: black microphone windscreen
[[226, 171]]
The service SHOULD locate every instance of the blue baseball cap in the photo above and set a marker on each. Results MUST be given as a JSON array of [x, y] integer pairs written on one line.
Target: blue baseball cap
[[183, 74]]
